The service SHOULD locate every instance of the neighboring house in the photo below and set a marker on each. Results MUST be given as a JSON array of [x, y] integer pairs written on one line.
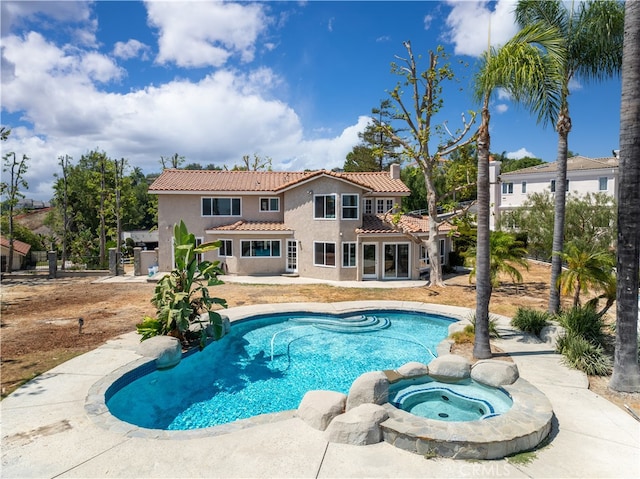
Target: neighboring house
[[20, 252], [584, 175], [317, 224]]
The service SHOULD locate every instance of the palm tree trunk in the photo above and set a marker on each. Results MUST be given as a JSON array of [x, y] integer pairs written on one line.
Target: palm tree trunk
[[563, 127], [626, 372], [481, 345]]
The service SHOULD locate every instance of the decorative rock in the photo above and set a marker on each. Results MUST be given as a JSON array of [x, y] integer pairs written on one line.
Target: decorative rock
[[551, 333], [370, 387], [413, 369], [450, 367], [318, 408], [359, 426], [494, 373], [166, 350]]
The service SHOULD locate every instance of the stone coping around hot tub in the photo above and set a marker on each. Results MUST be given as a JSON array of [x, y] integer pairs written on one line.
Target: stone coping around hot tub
[[522, 428], [98, 411]]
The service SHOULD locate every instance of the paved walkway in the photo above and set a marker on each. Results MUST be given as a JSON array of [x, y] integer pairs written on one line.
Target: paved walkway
[[47, 432]]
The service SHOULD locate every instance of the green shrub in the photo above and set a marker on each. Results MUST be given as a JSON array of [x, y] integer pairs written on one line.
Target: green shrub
[[530, 320], [584, 322], [581, 354], [493, 326]]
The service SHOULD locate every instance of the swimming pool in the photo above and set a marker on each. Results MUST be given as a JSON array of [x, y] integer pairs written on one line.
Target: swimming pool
[[267, 363]]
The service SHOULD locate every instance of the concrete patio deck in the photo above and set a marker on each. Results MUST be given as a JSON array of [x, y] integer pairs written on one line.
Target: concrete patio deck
[[47, 432]]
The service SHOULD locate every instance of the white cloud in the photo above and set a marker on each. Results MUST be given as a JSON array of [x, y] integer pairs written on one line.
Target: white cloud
[[501, 107], [469, 23], [131, 49], [521, 153], [428, 19], [206, 33]]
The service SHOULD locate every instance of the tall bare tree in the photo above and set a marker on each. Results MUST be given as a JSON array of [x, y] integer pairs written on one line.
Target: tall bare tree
[[17, 169], [626, 372], [417, 109]]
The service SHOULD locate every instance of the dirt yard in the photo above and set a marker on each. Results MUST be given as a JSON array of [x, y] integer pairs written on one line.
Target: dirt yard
[[39, 321]]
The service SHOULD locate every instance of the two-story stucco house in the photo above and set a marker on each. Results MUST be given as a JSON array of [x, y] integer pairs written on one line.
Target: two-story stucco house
[[317, 224], [584, 175]]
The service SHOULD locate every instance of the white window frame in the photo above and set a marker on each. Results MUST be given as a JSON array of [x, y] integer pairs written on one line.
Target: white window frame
[[507, 188], [603, 181], [384, 205], [218, 198], [324, 254], [523, 187], [226, 248], [269, 200], [368, 206], [252, 248], [335, 206], [349, 254], [355, 207]]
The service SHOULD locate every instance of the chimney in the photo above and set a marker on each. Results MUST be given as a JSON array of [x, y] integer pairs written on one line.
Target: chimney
[[394, 171]]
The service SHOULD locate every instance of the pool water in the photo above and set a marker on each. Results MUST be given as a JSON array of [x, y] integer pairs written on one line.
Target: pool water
[[464, 400], [266, 364]]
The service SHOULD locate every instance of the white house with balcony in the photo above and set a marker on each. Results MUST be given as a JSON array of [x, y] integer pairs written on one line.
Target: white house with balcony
[[584, 175]]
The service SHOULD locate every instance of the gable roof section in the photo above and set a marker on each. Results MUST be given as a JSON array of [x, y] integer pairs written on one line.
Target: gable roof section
[[574, 163], [208, 181], [18, 246]]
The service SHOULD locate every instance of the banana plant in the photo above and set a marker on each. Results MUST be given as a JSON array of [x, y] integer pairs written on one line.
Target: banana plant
[[184, 307]]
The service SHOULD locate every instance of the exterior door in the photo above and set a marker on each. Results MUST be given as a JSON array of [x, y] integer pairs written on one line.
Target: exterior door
[[396, 261], [292, 256], [369, 261]]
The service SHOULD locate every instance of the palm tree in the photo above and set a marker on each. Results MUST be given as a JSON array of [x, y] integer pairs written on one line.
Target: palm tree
[[505, 254], [626, 371], [586, 266], [593, 45], [521, 67]]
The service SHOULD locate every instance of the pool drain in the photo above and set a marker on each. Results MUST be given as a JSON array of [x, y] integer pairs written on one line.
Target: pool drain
[[443, 414]]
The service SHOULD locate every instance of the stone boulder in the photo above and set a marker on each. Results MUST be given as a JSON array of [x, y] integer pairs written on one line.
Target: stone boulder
[[318, 408], [359, 426], [413, 369], [166, 350], [450, 367], [550, 334], [495, 373], [371, 388]]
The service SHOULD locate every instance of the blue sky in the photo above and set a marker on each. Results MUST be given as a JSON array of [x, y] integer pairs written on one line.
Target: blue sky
[[213, 81]]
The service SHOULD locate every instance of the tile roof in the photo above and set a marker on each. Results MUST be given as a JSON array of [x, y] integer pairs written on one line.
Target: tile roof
[[251, 226], [574, 163], [174, 180], [18, 246], [376, 224]]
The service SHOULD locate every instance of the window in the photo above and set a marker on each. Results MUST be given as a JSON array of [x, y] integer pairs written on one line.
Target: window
[[384, 204], [507, 188], [324, 254], [270, 204], [226, 248], [260, 248], [442, 252], [603, 183], [324, 207], [524, 187], [350, 207], [220, 206], [348, 255], [553, 186], [368, 206], [424, 253]]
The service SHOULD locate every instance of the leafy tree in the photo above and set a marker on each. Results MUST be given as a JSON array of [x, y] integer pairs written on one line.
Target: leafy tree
[[459, 176], [361, 158], [509, 164], [626, 371], [521, 68], [173, 161], [253, 164], [586, 267], [193, 166], [413, 177], [592, 216], [416, 113], [17, 168], [592, 36]]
